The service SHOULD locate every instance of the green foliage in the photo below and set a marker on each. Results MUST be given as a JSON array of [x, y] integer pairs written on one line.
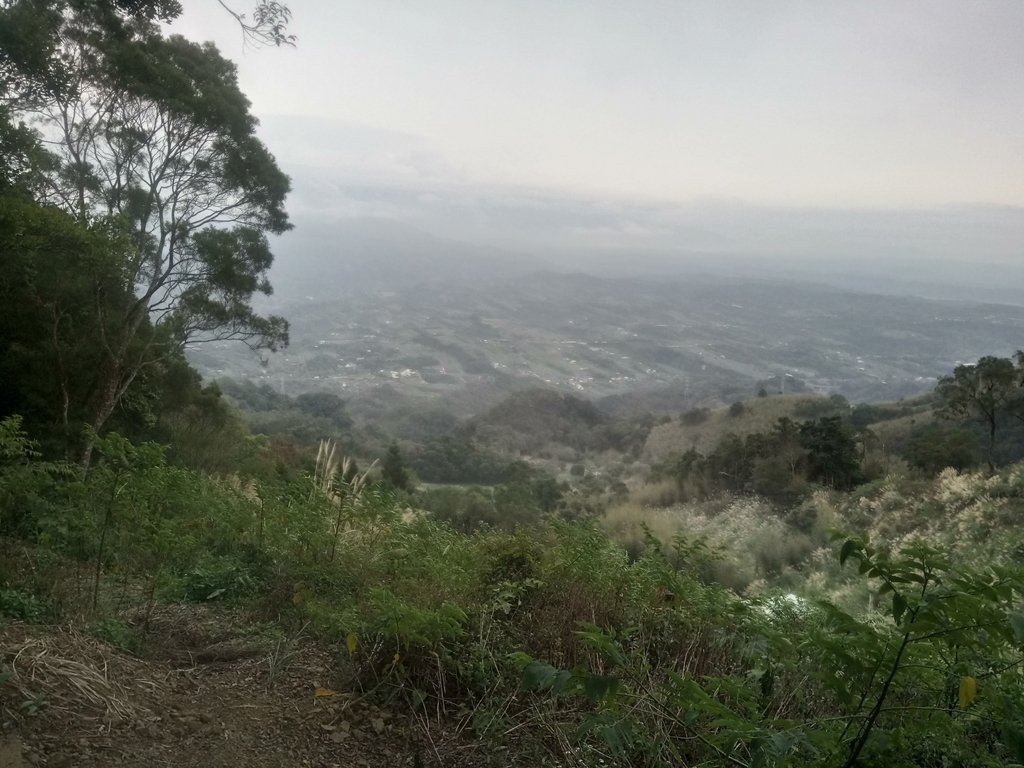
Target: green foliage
[[223, 578], [902, 654], [51, 332], [820, 407], [532, 418], [833, 455], [408, 626], [15, 446], [987, 391], [23, 605], [864, 414], [455, 459], [832, 689], [290, 425], [694, 416], [935, 447], [324, 405], [118, 634], [110, 279], [465, 509], [27, 484], [393, 471]]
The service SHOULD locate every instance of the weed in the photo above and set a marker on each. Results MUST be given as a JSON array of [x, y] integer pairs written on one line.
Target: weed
[[118, 634], [285, 649], [25, 606]]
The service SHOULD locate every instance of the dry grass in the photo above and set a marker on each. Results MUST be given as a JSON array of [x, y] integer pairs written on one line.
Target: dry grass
[[663, 493], [754, 543], [69, 672], [898, 430], [759, 415]]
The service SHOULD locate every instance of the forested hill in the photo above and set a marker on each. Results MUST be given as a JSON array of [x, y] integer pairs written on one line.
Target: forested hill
[[538, 416]]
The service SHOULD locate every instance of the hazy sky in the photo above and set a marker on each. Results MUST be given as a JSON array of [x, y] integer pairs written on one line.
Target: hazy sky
[[819, 102]]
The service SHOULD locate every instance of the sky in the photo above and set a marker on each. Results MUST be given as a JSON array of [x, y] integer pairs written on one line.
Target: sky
[[557, 122]]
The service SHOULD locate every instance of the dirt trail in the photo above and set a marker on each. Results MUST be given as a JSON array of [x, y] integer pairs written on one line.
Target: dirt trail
[[75, 702]]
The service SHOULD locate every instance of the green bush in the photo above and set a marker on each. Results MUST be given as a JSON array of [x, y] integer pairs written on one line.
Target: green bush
[[225, 578], [118, 634], [25, 606], [642, 659], [816, 686]]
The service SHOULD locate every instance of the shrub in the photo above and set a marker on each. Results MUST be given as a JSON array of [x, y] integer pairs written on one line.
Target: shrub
[[118, 634], [25, 606]]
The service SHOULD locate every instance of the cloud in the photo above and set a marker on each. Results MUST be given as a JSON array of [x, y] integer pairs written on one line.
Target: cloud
[[897, 104]]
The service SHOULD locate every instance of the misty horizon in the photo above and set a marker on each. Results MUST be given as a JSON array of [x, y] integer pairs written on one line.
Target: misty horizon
[[797, 139]]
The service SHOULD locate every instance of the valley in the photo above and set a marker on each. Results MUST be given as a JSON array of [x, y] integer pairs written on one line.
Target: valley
[[635, 344]]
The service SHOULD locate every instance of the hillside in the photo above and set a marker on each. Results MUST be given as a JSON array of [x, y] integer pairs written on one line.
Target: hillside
[[703, 428], [295, 622], [527, 421]]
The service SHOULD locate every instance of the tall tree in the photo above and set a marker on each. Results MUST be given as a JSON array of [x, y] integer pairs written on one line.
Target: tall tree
[[154, 135], [986, 391], [832, 454], [393, 471], [55, 270]]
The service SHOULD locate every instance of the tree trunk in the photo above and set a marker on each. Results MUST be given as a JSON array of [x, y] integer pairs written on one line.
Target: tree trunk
[[111, 386], [991, 447], [105, 404]]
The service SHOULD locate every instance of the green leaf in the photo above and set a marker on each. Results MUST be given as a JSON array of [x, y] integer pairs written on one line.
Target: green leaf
[[537, 675], [520, 659], [561, 682], [1013, 739], [616, 736], [782, 742], [899, 606], [848, 547], [598, 687], [1017, 625]]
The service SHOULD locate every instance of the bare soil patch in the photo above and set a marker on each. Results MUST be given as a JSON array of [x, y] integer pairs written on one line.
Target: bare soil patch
[[200, 696]]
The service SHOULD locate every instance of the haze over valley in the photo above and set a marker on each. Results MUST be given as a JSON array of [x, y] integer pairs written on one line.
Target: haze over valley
[[666, 344]]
